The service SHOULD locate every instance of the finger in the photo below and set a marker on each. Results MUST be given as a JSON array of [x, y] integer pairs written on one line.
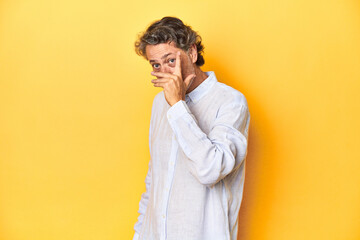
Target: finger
[[162, 74], [189, 80], [160, 80], [178, 64], [159, 84]]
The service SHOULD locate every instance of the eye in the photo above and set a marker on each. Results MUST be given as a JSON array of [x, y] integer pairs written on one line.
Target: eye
[[171, 62], [156, 65]]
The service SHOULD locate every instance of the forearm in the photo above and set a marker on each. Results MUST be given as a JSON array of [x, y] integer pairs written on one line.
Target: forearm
[[213, 156]]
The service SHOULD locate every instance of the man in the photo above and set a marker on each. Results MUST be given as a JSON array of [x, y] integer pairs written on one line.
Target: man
[[198, 142]]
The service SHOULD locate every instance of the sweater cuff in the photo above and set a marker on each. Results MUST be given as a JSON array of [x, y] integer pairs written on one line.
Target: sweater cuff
[[177, 110]]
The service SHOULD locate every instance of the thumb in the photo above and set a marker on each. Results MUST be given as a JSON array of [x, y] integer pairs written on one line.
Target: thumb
[[189, 80]]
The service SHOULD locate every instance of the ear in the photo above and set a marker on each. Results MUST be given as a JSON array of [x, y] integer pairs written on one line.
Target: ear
[[193, 53]]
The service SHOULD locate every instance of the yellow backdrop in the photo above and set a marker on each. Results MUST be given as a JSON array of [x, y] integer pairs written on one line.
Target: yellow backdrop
[[75, 105]]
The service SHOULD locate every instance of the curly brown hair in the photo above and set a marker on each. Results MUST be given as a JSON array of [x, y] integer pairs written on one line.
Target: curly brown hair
[[170, 29]]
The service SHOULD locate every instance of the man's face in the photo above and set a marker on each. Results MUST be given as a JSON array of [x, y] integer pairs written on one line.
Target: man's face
[[162, 58]]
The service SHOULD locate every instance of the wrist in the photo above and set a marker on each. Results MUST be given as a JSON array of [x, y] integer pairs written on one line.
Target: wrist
[[174, 102]]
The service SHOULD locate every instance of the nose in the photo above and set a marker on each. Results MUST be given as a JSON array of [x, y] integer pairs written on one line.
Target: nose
[[167, 69]]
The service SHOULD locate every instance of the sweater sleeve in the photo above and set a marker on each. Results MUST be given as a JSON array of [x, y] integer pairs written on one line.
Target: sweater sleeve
[[143, 204], [146, 195], [212, 157]]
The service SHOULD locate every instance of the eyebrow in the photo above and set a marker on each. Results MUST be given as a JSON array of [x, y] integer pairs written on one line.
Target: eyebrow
[[161, 57]]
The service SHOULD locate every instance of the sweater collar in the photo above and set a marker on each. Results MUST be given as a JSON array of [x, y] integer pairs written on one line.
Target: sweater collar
[[200, 91]]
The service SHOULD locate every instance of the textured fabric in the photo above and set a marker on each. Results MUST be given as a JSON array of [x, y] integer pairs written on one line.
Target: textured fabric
[[194, 184]]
